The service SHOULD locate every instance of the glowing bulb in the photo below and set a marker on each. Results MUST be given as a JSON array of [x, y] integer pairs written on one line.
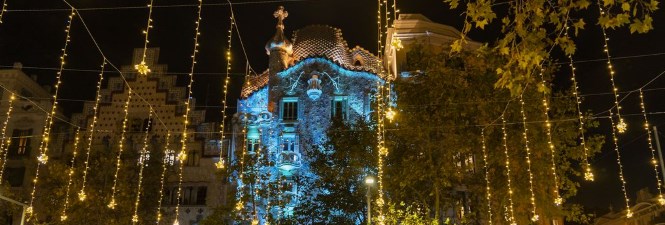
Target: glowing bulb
[[142, 68], [82, 196], [622, 126], [220, 164], [390, 114], [43, 158]]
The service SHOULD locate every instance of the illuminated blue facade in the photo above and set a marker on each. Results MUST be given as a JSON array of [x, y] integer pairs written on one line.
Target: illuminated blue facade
[[286, 111]]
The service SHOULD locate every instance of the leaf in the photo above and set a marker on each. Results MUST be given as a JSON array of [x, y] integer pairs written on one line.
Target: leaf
[[608, 2], [625, 6], [583, 4], [579, 25]]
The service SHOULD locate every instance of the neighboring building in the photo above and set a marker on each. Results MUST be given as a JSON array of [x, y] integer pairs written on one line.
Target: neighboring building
[[647, 211], [201, 189], [25, 130], [288, 108]]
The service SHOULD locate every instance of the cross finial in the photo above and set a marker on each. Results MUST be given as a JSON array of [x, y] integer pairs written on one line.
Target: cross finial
[[280, 14]]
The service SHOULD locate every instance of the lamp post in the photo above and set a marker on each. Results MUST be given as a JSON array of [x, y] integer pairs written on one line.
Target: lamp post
[[369, 181]]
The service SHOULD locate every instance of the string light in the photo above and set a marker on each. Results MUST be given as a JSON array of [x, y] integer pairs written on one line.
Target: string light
[[661, 200], [534, 218], [163, 176], [188, 102], [379, 30], [511, 208], [240, 204], [4, 143], [121, 146], [43, 146], [143, 160], [91, 132], [621, 124], [75, 148], [548, 130], [488, 190], [257, 180], [615, 138], [142, 67], [222, 163], [4, 9], [588, 174], [382, 151]]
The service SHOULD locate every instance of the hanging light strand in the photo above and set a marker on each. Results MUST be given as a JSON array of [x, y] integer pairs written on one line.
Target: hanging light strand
[[121, 147], [511, 208], [534, 213], [222, 162], [379, 46], [550, 144], [621, 124], [488, 190], [4, 9], [70, 175], [383, 151], [43, 146], [91, 132], [241, 184], [661, 200], [142, 67], [615, 139], [162, 177], [143, 160], [4, 143], [188, 108], [588, 174]]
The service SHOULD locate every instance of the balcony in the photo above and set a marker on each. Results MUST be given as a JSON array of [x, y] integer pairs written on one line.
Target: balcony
[[288, 162]]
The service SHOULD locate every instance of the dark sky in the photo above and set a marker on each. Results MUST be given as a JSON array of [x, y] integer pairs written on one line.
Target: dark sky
[[36, 37]]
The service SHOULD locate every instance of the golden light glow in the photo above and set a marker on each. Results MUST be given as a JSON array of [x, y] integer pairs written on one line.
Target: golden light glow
[[621, 125], [654, 162], [48, 123], [241, 183], [3, 10], [548, 130], [382, 150], [534, 213], [75, 148], [121, 147], [142, 67], [390, 114], [511, 210], [615, 139], [143, 157], [163, 176], [221, 164], [91, 132], [4, 142], [488, 190]]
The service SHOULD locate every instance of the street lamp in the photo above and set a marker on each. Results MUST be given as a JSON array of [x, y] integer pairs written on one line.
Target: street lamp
[[369, 181]]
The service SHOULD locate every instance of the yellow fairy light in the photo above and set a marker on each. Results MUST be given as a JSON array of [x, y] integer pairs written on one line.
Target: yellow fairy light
[[661, 200], [222, 163], [121, 146], [4, 143], [615, 138], [621, 124], [143, 157], [142, 67], [488, 190], [534, 213], [511, 208], [241, 186], [91, 131], [548, 130], [75, 148], [163, 176], [4, 9], [48, 123], [379, 20], [182, 155], [382, 150]]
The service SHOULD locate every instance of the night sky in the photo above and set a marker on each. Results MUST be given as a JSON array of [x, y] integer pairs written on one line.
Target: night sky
[[35, 37]]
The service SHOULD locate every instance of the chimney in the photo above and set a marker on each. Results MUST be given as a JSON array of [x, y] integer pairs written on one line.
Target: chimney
[[18, 65]]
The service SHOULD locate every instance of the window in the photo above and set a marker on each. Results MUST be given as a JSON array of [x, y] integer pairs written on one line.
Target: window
[[136, 125], [147, 124], [289, 144], [201, 194], [253, 145], [20, 143], [15, 176], [192, 158], [189, 195], [289, 109], [339, 107]]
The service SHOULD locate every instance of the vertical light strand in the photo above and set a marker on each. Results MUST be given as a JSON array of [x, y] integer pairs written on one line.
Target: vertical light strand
[[4, 143], [142, 67], [257, 180], [143, 160], [550, 144], [661, 200], [185, 135], [70, 175], [241, 185], [379, 46], [395, 11], [382, 151], [91, 132], [4, 9], [511, 208], [488, 190], [121, 147], [525, 135], [162, 177], [227, 78], [588, 174], [621, 124], [615, 139], [48, 123]]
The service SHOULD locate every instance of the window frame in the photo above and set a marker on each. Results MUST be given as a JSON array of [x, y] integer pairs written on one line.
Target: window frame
[[293, 103]]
